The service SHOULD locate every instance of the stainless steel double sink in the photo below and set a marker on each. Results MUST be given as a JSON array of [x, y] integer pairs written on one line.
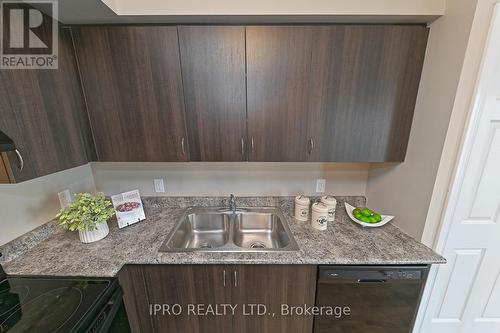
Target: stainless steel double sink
[[223, 230]]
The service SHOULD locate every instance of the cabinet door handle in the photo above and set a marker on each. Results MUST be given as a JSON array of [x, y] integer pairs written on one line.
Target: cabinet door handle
[[242, 147], [251, 145], [235, 279], [20, 159], [224, 278], [183, 147], [311, 145]]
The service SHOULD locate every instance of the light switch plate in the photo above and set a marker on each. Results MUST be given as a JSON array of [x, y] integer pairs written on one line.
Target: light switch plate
[[65, 198], [159, 185], [320, 185]]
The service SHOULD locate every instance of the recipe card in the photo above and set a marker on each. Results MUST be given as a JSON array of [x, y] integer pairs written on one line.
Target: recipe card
[[128, 206]]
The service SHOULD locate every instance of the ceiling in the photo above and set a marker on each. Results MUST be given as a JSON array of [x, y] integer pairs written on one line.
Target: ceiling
[[260, 11]]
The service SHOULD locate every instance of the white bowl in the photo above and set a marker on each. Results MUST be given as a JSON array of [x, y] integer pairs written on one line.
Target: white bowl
[[385, 218]]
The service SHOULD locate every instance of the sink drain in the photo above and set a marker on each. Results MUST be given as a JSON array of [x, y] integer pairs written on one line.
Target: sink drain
[[258, 245], [205, 246]]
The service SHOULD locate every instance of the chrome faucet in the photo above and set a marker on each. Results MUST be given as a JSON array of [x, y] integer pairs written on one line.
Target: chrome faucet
[[232, 203]]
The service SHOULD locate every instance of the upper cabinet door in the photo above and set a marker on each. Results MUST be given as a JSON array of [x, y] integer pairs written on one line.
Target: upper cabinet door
[[43, 112], [364, 83], [133, 86], [332, 93], [278, 88], [213, 72]]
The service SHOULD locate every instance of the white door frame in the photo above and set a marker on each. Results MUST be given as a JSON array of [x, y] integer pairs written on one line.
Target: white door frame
[[463, 159]]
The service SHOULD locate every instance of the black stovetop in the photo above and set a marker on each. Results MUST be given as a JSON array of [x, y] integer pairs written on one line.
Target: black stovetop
[[50, 304]]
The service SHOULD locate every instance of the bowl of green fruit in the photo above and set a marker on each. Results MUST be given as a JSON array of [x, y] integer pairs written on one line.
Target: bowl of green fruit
[[366, 217]]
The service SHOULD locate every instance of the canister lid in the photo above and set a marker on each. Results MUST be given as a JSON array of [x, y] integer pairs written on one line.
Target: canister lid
[[302, 200], [320, 207], [329, 200]]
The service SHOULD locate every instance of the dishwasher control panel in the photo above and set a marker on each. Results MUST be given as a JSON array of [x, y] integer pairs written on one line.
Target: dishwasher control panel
[[371, 273], [406, 275]]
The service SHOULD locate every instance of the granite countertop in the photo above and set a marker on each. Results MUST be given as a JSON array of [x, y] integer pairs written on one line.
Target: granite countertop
[[49, 250]]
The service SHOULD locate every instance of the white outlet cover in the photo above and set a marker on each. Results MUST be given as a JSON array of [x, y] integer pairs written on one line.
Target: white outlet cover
[[159, 185], [65, 198], [320, 185]]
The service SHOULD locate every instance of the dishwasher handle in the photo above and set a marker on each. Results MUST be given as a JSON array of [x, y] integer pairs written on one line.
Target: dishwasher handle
[[372, 280]]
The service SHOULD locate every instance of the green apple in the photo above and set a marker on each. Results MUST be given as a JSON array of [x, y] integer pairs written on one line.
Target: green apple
[[366, 212]]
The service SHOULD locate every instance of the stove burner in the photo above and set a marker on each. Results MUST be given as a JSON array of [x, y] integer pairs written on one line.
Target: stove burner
[[45, 313], [12, 298]]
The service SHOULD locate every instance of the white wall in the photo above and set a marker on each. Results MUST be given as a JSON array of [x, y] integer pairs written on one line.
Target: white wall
[[30, 204], [405, 189], [461, 110], [245, 178], [277, 7]]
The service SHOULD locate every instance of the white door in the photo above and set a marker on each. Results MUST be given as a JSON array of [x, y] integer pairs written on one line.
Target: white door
[[464, 294]]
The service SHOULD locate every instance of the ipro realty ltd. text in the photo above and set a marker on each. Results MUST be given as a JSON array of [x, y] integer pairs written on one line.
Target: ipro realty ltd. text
[[250, 309]]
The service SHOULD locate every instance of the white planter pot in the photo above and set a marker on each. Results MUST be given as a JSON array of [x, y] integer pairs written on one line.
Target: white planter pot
[[94, 235]]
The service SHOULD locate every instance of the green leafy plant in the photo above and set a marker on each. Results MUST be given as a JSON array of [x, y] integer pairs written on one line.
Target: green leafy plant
[[86, 212]]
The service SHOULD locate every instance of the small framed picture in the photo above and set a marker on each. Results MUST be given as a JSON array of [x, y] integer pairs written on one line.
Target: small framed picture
[[128, 206]]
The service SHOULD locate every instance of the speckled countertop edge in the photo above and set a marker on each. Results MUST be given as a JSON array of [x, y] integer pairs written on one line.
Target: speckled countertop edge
[[49, 250], [29, 240]]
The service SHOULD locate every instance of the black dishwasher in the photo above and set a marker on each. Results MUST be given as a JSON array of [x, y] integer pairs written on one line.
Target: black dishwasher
[[375, 299]]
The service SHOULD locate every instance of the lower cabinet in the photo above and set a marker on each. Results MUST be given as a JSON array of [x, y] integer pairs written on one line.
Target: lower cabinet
[[217, 298], [274, 286], [187, 286]]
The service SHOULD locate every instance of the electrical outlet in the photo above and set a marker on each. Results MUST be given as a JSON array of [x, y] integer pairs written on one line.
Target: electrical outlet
[[159, 185], [65, 198], [320, 185]]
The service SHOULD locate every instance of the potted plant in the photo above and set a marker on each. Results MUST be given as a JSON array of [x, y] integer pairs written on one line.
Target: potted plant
[[89, 215]]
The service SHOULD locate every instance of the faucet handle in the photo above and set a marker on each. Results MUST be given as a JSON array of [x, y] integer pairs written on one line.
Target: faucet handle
[[232, 203]]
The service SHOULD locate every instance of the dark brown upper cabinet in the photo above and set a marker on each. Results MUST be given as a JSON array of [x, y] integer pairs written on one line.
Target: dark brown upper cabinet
[[364, 84], [213, 73], [43, 112], [343, 93], [278, 79], [132, 81], [332, 93]]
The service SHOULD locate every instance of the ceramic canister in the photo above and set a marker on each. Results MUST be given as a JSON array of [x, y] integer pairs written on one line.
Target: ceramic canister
[[319, 219], [331, 202], [302, 208]]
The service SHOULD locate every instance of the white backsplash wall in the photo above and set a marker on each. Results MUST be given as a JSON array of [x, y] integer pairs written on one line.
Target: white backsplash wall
[[29, 204], [223, 178]]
